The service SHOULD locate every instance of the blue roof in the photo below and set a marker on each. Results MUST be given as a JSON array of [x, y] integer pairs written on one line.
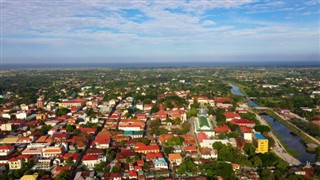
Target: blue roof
[[259, 136], [128, 132]]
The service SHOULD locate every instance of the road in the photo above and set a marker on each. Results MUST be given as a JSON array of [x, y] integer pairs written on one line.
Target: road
[[79, 160], [278, 148]]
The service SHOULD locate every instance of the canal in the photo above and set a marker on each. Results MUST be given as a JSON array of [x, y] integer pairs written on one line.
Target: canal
[[287, 137]]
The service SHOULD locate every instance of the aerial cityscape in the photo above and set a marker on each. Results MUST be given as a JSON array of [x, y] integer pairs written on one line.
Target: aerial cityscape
[[160, 89]]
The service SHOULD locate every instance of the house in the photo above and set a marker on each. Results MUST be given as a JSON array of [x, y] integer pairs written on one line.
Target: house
[[202, 124], [101, 142], [85, 175], [113, 176], [5, 150], [243, 122], [152, 156], [222, 129], [246, 133], [32, 151], [75, 102], [175, 158], [208, 153], [147, 149], [202, 136], [160, 163], [52, 151], [35, 176], [59, 169], [15, 163], [210, 142], [133, 174], [231, 116], [90, 161], [44, 164]]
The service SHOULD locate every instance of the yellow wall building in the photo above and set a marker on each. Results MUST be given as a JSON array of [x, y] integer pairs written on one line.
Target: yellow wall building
[[261, 143]]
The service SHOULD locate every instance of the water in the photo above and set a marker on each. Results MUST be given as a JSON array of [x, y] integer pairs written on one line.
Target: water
[[235, 90], [292, 141], [252, 104], [83, 63]]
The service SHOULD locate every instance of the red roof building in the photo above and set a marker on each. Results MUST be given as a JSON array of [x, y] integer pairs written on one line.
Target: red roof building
[[202, 136], [222, 129], [243, 122]]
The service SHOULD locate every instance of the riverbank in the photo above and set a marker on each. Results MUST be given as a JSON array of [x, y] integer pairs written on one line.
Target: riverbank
[[298, 132]]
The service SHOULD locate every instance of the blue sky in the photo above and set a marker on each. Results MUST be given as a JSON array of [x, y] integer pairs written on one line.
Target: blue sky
[[52, 31]]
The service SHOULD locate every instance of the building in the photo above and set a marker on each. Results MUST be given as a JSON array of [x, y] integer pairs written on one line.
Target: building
[[160, 163], [90, 161], [30, 177], [75, 102], [15, 163], [261, 143], [40, 103], [203, 125], [5, 150], [175, 158], [246, 133]]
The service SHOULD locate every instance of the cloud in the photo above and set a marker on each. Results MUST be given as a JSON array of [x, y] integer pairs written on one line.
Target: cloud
[[143, 27]]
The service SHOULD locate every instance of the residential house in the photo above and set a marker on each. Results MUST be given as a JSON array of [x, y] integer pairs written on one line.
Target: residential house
[[231, 116], [208, 153], [160, 163], [243, 122], [246, 133], [175, 158], [90, 161], [15, 163], [5, 150], [85, 175], [30, 177]]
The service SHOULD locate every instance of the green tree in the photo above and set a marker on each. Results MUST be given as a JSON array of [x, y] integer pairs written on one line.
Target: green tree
[[249, 149], [70, 128], [69, 162], [225, 170], [101, 167], [262, 128], [62, 111]]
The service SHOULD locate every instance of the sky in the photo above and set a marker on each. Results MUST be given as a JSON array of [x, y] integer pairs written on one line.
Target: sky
[[85, 31]]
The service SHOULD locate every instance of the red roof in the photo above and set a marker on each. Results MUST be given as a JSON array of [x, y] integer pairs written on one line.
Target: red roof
[[88, 130], [245, 129], [90, 157], [191, 148], [154, 155], [74, 156], [316, 122], [222, 129], [202, 136], [102, 140], [232, 115], [223, 100], [242, 121], [6, 147], [148, 148], [140, 162], [133, 173]]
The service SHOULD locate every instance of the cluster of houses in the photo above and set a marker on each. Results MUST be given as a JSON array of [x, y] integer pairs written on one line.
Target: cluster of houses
[[137, 154]]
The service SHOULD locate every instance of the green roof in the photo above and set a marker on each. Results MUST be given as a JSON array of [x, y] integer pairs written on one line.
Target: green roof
[[203, 122]]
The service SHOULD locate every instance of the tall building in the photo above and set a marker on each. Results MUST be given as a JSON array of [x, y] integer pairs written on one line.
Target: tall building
[[261, 143]]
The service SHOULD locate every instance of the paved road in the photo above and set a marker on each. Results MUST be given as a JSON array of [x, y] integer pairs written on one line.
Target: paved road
[[278, 147], [79, 160]]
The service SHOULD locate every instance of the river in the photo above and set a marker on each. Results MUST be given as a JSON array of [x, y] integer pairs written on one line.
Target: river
[[292, 141]]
